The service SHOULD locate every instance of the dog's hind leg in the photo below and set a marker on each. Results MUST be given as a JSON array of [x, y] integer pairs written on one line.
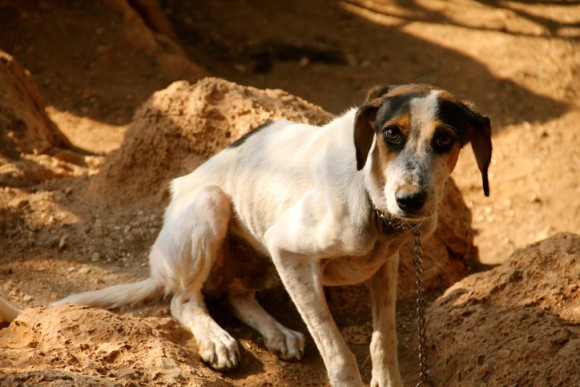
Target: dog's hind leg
[[190, 244], [287, 344]]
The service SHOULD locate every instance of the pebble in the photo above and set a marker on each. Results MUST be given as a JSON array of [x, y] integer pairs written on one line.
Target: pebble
[[26, 298], [95, 257], [62, 242], [84, 270], [19, 203], [504, 353], [534, 198]]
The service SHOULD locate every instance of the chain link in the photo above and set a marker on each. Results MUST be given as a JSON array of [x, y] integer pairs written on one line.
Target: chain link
[[423, 369]]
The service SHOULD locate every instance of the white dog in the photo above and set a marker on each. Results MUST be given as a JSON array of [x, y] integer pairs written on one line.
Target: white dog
[[312, 206]]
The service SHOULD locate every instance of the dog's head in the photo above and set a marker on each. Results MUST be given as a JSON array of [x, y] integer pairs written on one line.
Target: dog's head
[[409, 138]]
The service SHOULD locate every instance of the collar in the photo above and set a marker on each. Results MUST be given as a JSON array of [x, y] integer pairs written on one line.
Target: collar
[[390, 224]]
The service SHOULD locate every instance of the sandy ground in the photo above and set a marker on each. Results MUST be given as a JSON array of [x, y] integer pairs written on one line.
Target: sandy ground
[[518, 62]]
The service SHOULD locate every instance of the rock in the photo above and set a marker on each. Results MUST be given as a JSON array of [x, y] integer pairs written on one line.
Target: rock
[[19, 203], [26, 126], [517, 324], [181, 126], [26, 132], [62, 242], [147, 30], [83, 346]]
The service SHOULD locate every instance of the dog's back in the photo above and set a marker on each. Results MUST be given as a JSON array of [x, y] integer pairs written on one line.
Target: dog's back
[[253, 171]]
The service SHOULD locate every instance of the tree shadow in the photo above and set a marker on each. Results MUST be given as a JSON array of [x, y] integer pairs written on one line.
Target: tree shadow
[[552, 27], [353, 53], [320, 50], [417, 12]]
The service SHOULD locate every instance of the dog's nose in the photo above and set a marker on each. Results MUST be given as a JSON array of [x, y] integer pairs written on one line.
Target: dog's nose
[[410, 201]]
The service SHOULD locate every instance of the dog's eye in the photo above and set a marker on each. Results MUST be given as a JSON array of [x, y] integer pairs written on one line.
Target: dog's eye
[[443, 141], [393, 135]]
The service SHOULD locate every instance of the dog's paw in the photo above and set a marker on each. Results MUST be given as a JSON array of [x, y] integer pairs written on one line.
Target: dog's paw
[[388, 382], [220, 351], [287, 344]]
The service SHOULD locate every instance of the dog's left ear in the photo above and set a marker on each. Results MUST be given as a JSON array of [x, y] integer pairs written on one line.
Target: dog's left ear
[[479, 134], [364, 123]]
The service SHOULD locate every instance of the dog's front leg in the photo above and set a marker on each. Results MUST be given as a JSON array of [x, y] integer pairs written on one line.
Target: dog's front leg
[[302, 278], [383, 289]]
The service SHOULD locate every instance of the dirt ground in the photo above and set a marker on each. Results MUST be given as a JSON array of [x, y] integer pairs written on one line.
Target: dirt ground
[[95, 62]]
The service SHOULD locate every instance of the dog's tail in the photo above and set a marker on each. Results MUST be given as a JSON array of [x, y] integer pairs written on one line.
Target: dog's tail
[[116, 295], [7, 312]]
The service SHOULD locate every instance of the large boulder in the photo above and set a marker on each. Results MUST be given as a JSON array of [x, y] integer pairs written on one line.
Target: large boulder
[[518, 324], [181, 126]]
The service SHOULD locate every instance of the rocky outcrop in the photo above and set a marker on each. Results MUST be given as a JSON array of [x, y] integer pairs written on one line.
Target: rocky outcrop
[[518, 324], [26, 127], [92, 347], [26, 132], [179, 127]]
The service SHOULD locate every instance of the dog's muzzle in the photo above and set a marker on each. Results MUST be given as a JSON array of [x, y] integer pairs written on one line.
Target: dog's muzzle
[[411, 202]]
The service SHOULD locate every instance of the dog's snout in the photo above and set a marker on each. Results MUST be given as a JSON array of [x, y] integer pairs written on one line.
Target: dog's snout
[[410, 201]]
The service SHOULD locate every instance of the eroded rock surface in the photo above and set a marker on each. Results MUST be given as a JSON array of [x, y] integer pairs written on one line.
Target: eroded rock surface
[[518, 324]]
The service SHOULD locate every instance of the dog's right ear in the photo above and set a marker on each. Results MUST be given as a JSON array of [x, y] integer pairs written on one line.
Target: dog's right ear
[[364, 132], [364, 123]]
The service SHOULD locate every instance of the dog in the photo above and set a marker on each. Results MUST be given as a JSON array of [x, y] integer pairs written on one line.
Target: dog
[[310, 206]]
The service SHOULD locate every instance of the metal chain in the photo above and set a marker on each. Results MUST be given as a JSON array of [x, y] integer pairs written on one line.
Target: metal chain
[[402, 225], [424, 371]]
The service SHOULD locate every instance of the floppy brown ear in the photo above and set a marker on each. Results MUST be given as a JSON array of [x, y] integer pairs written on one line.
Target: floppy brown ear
[[480, 137], [364, 123], [363, 133]]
